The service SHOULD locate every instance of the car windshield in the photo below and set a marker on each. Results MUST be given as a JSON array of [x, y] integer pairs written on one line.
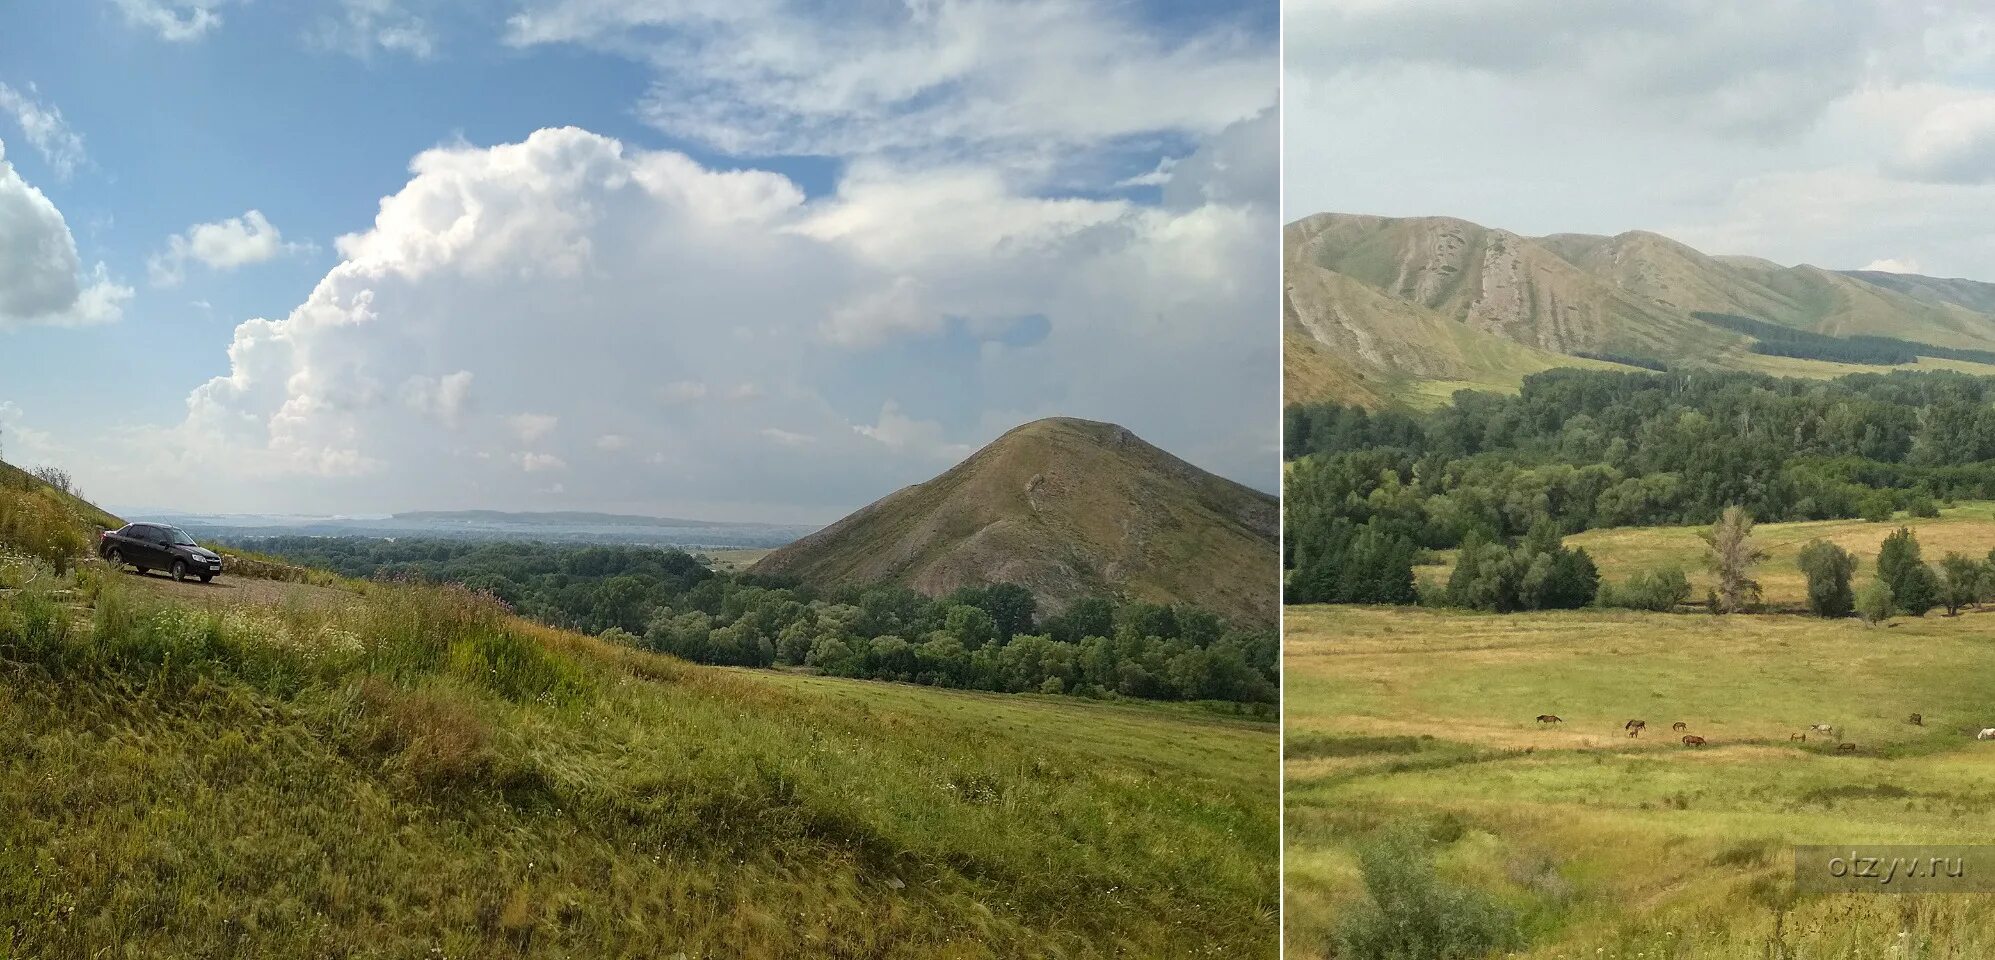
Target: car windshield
[[178, 537]]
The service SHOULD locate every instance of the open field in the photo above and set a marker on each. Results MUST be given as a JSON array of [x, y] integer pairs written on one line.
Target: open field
[[735, 560], [1611, 847], [1621, 552], [410, 772]]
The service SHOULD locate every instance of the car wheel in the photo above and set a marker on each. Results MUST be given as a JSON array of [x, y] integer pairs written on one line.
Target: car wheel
[[142, 570], [207, 578], [115, 559], [180, 571]]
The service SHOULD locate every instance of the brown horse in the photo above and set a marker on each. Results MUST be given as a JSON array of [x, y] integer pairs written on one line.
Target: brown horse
[[1846, 748], [1692, 740], [1548, 718], [1797, 736], [1679, 726], [1635, 727], [1917, 720]]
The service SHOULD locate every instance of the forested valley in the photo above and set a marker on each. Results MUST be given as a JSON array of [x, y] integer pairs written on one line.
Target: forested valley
[[1505, 477], [992, 638]]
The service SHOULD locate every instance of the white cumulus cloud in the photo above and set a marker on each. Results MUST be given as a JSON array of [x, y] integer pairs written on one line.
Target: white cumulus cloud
[[601, 291], [222, 245], [42, 279]]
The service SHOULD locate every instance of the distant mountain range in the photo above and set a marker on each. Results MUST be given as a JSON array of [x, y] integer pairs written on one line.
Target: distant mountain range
[[561, 526], [1067, 508], [1381, 311]]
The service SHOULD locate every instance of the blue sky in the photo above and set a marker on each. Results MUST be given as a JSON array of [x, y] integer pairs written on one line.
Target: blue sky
[[951, 217]]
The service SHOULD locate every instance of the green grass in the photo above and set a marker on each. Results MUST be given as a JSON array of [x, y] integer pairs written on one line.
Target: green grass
[[418, 774], [1607, 846]]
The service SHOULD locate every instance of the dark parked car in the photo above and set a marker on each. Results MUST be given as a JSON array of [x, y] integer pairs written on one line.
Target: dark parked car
[[158, 546]]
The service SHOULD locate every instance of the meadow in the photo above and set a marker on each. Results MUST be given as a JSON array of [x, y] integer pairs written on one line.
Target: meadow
[[387, 770], [1418, 726], [1967, 527]]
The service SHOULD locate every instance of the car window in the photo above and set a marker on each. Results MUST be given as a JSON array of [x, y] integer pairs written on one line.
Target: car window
[[176, 537]]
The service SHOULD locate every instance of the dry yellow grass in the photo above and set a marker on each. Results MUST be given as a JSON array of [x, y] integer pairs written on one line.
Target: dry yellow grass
[[1622, 552], [1618, 847]]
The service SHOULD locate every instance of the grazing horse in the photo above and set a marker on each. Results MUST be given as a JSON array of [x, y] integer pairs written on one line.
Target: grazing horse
[[1692, 740], [1988, 734], [1846, 748], [1797, 736], [1822, 728], [1679, 726], [1917, 720], [1635, 727], [1548, 718]]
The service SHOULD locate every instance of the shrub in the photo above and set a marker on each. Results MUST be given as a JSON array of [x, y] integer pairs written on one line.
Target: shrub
[[1874, 602], [1413, 913], [1659, 591]]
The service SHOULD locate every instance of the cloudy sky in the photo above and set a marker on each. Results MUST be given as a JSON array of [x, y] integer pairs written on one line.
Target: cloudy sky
[[1843, 133], [736, 259]]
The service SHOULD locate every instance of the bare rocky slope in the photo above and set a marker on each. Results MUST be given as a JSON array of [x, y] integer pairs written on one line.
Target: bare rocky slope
[[1382, 310], [1067, 508]]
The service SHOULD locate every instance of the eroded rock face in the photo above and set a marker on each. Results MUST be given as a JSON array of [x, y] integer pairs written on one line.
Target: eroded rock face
[[1372, 303]]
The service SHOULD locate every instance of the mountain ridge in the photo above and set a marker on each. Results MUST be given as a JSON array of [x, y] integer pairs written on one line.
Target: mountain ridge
[[1567, 297]]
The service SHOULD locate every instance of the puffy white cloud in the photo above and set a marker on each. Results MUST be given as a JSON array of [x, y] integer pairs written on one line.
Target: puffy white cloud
[[175, 20], [1021, 82], [222, 245], [1893, 266], [621, 293], [42, 280], [46, 130]]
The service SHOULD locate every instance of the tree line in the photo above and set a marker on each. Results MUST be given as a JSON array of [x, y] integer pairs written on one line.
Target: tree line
[[985, 638], [1587, 449]]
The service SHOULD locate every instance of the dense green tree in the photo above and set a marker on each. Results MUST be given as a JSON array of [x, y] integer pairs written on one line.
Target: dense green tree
[[1914, 588], [1960, 581], [1828, 568], [1659, 591]]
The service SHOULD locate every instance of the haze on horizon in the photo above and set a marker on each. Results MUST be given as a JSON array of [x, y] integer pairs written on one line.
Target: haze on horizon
[[1847, 135]]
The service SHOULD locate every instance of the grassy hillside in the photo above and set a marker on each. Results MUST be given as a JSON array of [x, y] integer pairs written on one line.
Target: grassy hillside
[[1067, 508], [1355, 280], [386, 770], [1593, 844], [15, 478], [1621, 552]]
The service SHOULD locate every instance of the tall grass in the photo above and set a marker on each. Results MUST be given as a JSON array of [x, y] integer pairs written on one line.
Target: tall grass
[[39, 524], [421, 773]]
